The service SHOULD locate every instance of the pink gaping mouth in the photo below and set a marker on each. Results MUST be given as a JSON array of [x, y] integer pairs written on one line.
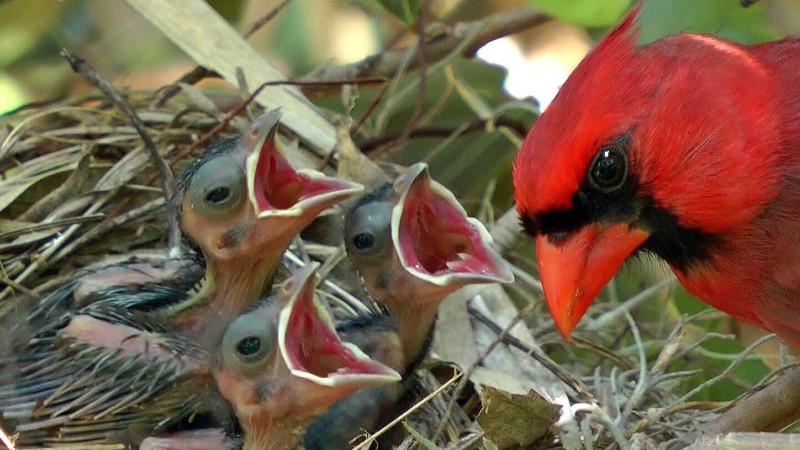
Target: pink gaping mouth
[[277, 189], [436, 240], [313, 350]]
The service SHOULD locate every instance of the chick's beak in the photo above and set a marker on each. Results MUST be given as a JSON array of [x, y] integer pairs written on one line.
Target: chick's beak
[[434, 238], [278, 190], [575, 270], [311, 348]]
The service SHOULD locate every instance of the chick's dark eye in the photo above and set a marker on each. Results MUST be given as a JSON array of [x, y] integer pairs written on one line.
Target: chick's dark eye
[[609, 169], [363, 241], [218, 188], [249, 346], [218, 195]]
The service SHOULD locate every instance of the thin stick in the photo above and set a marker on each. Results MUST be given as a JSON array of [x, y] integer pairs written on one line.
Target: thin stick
[[423, 77], [6, 440], [79, 65], [403, 416], [388, 63], [424, 132], [509, 339], [258, 24]]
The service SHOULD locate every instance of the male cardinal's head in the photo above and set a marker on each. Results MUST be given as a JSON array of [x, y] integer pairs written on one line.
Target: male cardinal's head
[[662, 148]]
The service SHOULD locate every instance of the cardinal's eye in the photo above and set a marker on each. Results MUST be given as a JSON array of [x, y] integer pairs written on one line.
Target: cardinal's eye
[[609, 170]]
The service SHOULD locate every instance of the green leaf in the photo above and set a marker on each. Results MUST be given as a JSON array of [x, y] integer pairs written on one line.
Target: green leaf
[[590, 13], [489, 445], [12, 94], [722, 18], [21, 30], [465, 164], [405, 10]]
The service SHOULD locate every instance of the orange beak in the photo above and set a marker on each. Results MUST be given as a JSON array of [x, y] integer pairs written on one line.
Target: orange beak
[[574, 271]]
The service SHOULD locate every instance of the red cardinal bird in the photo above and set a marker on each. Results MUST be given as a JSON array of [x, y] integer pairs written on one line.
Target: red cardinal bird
[[688, 148]]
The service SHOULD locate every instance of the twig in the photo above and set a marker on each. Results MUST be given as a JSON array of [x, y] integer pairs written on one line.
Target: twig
[[19, 287], [80, 65], [423, 77], [612, 316], [595, 412], [46, 226], [423, 132], [107, 226], [481, 358], [733, 365], [243, 104], [509, 339], [74, 185], [642, 382], [401, 417], [48, 250], [259, 24], [747, 441], [776, 405], [6, 440], [193, 76], [603, 352], [370, 109], [439, 44]]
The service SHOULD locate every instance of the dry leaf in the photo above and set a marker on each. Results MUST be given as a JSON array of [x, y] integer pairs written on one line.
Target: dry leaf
[[461, 339], [8, 226], [35, 170], [515, 420], [354, 165]]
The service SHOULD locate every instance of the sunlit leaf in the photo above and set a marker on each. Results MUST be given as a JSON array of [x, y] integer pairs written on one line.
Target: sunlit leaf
[[12, 94], [723, 18], [591, 13], [405, 10], [469, 161], [21, 30]]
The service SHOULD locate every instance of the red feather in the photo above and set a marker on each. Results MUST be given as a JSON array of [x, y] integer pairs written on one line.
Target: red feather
[[715, 145]]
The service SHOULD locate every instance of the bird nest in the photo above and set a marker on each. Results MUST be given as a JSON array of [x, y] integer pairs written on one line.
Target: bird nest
[[80, 187]]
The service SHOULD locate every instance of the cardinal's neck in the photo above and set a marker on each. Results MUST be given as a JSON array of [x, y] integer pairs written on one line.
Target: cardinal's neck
[[226, 290]]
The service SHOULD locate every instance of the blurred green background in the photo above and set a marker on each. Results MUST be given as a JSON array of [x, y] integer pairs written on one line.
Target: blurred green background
[[312, 32]]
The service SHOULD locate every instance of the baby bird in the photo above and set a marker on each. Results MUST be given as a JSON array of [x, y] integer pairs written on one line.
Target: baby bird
[[413, 244], [239, 206], [279, 366]]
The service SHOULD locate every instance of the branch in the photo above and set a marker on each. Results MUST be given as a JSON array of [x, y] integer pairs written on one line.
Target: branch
[[79, 65], [768, 409], [440, 42], [567, 378], [431, 132]]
